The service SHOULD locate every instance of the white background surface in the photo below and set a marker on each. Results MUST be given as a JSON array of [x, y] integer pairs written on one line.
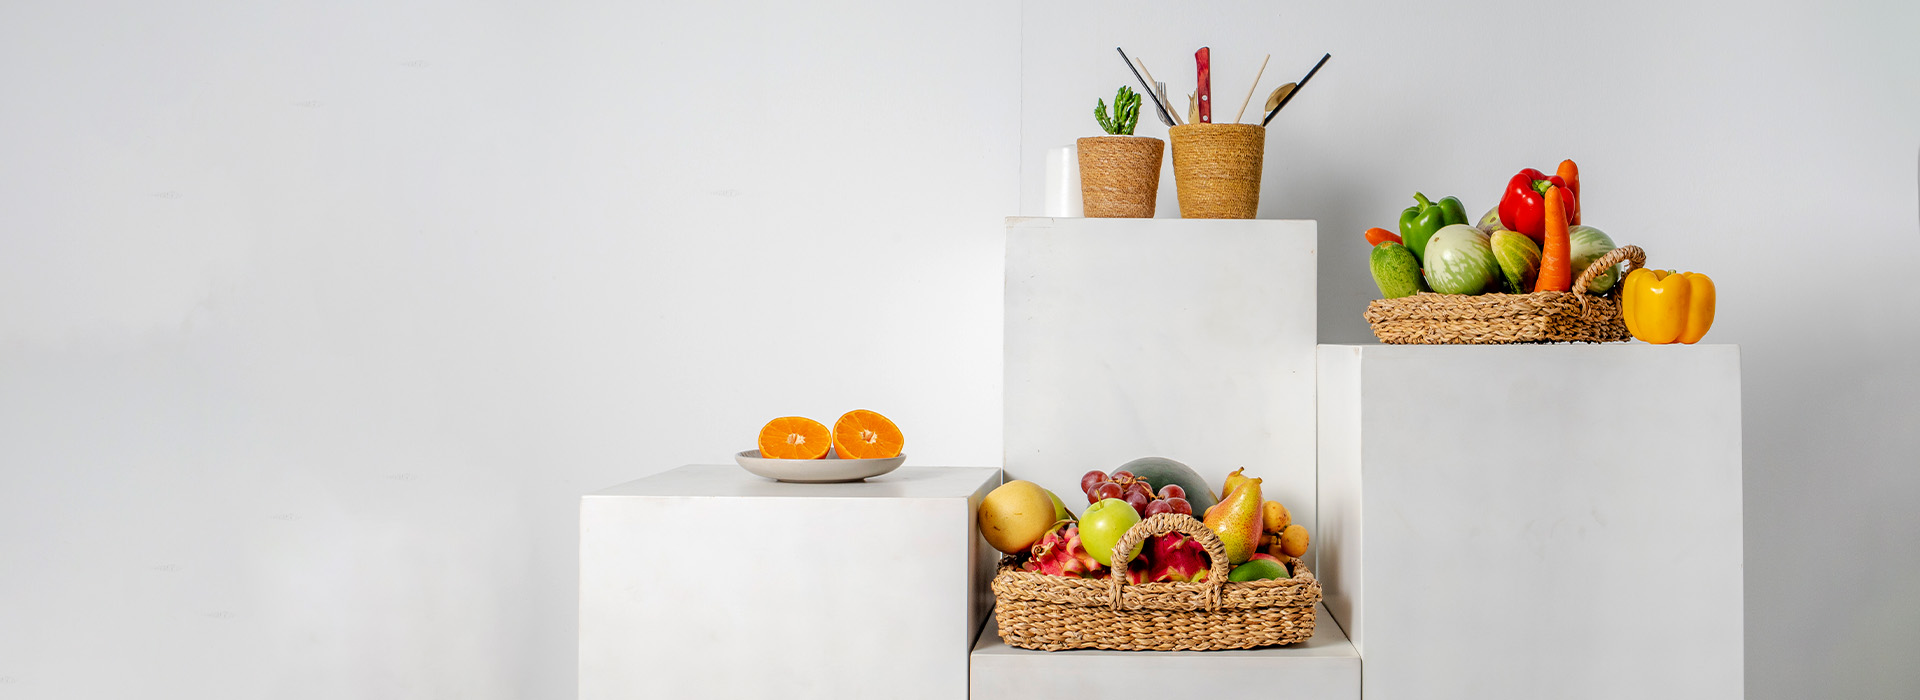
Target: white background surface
[[315, 319], [866, 590], [1324, 667], [1192, 340], [1610, 574]]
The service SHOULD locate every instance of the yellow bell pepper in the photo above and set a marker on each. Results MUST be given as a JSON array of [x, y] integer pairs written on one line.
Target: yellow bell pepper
[[1663, 306]]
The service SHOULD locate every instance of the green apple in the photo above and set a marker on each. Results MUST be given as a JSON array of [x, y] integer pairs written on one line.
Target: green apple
[[1103, 524]]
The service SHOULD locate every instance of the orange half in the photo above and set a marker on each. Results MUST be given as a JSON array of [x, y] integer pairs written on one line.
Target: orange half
[[794, 437], [863, 434]]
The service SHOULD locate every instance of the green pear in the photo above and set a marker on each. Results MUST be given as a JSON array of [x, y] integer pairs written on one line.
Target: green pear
[[1239, 522], [1060, 511], [1233, 482]]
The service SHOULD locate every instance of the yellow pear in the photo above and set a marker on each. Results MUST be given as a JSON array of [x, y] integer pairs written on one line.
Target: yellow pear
[[1233, 481], [1238, 521]]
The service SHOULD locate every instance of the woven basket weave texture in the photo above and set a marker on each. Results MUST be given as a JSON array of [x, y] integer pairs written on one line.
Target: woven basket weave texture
[[1497, 319], [1039, 611], [1120, 176], [1216, 168]]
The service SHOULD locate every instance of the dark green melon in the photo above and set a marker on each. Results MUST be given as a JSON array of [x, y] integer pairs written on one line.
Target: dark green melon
[[1160, 471]]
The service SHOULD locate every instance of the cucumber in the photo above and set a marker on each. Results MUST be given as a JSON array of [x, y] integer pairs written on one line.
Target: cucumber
[[1395, 270]]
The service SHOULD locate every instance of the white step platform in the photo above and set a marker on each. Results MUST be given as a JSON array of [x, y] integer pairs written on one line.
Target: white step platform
[[1325, 667], [710, 582], [1534, 521], [1183, 338]]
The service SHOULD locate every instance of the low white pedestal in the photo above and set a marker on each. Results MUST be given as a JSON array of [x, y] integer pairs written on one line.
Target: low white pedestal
[[1325, 667], [1182, 338], [710, 582], [1534, 521]]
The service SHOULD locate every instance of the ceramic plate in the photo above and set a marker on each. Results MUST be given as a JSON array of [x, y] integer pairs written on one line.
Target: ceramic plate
[[817, 471]]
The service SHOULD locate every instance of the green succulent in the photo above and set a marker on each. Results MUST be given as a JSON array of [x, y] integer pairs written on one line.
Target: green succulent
[[1126, 112]]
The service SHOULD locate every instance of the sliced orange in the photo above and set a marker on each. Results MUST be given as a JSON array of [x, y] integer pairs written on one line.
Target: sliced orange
[[794, 437], [863, 434]]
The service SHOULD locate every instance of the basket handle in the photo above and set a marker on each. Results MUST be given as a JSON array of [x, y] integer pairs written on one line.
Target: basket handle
[[1631, 254], [1162, 524]]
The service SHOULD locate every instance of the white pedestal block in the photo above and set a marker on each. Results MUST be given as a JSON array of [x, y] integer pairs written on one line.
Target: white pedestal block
[[1534, 521], [1189, 339], [710, 582], [1325, 667]]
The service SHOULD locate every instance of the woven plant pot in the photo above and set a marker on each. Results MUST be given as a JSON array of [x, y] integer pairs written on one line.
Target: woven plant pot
[[1120, 176], [1051, 613], [1216, 168], [1498, 319]]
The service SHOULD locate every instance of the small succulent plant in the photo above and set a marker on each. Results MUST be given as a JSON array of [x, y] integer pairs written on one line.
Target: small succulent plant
[[1126, 112]]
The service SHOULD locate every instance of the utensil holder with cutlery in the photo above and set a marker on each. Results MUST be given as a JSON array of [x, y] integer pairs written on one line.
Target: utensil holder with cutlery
[[1216, 168]]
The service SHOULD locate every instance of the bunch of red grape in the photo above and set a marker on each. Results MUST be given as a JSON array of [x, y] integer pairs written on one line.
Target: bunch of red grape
[[1123, 485]]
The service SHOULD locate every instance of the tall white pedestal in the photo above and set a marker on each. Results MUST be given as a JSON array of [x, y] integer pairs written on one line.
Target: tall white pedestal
[[1325, 667], [1189, 339], [1534, 521], [710, 582]]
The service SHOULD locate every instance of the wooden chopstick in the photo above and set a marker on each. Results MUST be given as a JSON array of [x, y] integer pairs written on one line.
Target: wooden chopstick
[[1251, 89]]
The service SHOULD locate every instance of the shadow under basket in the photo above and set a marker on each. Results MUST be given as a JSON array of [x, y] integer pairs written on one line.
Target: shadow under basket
[[1499, 319], [1052, 613]]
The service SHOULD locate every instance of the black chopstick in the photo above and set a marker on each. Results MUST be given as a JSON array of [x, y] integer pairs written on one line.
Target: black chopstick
[[1151, 94], [1296, 89]]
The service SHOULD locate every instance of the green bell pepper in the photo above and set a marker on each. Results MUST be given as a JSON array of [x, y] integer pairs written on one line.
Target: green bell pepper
[[1419, 221]]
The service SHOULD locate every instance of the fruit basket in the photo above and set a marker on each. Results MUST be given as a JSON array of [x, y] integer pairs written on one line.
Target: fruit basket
[[1491, 319], [1051, 613]]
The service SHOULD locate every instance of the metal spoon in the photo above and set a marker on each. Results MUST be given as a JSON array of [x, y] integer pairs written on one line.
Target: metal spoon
[[1278, 94]]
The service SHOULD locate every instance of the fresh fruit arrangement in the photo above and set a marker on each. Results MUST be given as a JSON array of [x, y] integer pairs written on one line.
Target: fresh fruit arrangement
[[1023, 519], [858, 434], [1531, 241]]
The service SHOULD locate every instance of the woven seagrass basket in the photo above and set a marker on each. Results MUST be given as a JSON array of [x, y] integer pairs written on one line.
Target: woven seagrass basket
[[1216, 168], [1119, 176], [1495, 319], [1051, 613]]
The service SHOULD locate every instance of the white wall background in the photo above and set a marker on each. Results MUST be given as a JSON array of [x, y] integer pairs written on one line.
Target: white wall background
[[315, 318]]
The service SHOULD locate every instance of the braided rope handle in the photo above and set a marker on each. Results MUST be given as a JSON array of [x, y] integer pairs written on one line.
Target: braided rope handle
[[1162, 524], [1630, 254]]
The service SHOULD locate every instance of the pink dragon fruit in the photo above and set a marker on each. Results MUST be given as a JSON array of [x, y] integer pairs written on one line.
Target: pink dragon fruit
[[1061, 554], [1169, 557]]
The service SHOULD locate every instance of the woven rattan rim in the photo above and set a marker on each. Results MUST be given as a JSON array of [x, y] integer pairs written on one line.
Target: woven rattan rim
[[1161, 524], [1577, 315], [1216, 593]]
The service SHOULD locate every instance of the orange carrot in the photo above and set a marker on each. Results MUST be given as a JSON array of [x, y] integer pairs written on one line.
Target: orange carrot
[[1570, 174], [1377, 236], [1556, 264]]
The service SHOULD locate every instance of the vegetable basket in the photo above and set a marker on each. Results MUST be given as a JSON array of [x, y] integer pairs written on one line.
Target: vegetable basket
[[1051, 613], [1492, 319]]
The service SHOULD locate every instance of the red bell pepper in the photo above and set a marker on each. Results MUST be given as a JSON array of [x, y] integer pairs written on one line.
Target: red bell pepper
[[1524, 208]]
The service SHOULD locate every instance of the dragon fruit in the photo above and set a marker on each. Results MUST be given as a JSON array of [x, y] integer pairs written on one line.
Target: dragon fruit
[[1169, 557], [1061, 554]]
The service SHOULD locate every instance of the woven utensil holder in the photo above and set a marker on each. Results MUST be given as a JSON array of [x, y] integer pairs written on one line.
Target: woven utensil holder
[[1040, 611], [1120, 176], [1498, 319], [1216, 168]]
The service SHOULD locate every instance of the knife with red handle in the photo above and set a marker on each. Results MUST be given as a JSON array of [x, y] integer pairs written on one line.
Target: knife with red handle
[[1206, 86]]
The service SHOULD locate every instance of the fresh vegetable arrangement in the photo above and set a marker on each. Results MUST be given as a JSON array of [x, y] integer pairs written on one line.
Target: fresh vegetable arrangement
[[1533, 241], [1023, 519]]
